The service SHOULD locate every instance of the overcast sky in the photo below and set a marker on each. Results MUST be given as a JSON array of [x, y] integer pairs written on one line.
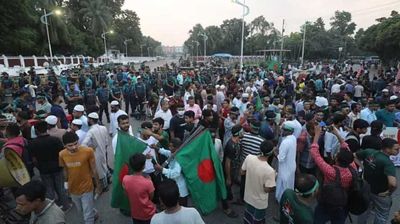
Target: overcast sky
[[169, 21]]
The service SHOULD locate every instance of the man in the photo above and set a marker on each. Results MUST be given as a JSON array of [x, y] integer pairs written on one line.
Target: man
[[304, 161], [97, 139], [44, 150], [260, 181], [79, 165], [177, 124], [24, 125], [353, 138], [139, 190], [78, 113], [52, 127], [296, 206], [73, 97], [31, 200], [208, 119], [355, 113], [165, 114], [43, 104], [123, 126], [146, 137], [286, 160], [190, 126], [387, 115], [103, 96], [191, 106], [141, 95], [58, 111], [380, 173], [331, 142], [129, 94], [115, 113], [231, 164], [269, 130], [220, 97], [174, 212], [229, 122], [174, 170], [369, 113], [76, 127]]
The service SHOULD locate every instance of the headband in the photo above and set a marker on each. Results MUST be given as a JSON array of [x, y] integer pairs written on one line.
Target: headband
[[312, 190]]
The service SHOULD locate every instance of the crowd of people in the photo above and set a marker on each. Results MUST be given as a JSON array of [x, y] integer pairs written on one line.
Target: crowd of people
[[312, 139]]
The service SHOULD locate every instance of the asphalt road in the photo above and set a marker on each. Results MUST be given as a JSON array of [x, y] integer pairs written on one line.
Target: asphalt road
[[108, 215]]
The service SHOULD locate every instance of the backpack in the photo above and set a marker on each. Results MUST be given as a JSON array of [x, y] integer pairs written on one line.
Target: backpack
[[333, 195], [26, 156], [359, 194]]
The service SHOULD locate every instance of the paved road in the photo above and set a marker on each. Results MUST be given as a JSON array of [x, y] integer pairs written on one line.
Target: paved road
[[109, 215]]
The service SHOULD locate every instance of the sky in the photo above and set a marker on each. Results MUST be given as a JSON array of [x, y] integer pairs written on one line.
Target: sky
[[169, 21]]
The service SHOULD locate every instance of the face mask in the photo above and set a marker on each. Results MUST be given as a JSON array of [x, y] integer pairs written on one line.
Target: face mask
[[181, 112]]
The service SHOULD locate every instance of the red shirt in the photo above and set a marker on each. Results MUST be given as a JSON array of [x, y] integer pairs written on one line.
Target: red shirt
[[328, 170], [138, 189]]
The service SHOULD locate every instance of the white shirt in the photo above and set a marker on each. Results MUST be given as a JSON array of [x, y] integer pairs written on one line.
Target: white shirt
[[85, 125], [114, 121], [81, 134], [174, 172], [214, 108], [358, 90], [166, 116], [114, 139], [31, 89], [149, 167], [335, 88], [236, 102], [219, 149], [183, 216]]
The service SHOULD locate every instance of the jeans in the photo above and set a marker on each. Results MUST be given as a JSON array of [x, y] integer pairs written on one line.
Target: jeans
[[380, 206], [85, 203], [323, 214], [54, 183]]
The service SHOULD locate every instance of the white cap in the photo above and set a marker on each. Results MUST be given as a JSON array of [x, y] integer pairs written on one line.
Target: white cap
[[385, 90], [321, 101], [394, 97], [77, 122], [114, 103], [245, 95], [79, 108], [93, 115], [51, 120], [222, 87], [217, 86]]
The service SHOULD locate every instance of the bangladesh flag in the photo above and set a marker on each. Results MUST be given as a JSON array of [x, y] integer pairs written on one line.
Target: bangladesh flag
[[203, 172], [258, 103], [127, 145]]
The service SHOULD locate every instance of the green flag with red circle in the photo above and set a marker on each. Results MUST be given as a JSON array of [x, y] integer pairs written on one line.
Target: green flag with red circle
[[203, 172], [127, 146]]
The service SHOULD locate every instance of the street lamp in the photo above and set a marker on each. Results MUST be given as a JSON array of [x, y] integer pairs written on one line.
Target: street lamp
[[141, 49], [126, 46], [304, 42], [197, 49], [43, 19], [340, 52], [205, 37], [148, 51], [246, 11], [103, 35]]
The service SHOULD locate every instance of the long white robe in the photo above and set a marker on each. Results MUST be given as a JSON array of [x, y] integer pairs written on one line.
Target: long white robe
[[286, 165], [98, 139]]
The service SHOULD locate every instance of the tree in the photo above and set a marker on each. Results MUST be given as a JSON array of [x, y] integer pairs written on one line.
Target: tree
[[341, 23], [97, 15]]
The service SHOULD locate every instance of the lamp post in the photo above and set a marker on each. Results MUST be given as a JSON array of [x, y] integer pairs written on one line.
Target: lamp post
[[103, 35], [197, 49], [246, 11], [205, 38], [126, 46], [43, 19], [304, 42], [148, 51], [340, 52], [141, 49]]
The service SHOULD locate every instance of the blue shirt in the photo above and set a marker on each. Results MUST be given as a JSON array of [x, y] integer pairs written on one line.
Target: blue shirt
[[386, 117], [58, 111]]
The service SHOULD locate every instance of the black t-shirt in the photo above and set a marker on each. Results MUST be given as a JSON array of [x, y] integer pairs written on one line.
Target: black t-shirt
[[231, 151], [371, 142], [177, 125], [46, 149], [353, 141]]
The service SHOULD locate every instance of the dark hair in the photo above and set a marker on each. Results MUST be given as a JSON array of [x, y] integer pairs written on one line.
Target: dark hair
[[69, 137], [227, 101], [122, 117], [13, 130], [376, 127], [137, 162], [32, 190], [24, 115], [388, 143], [176, 142], [41, 127], [266, 147], [304, 183], [169, 193], [391, 102], [146, 124], [354, 106], [190, 98], [159, 120], [189, 113], [360, 123], [344, 158], [207, 113], [209, 97], [337, 118]]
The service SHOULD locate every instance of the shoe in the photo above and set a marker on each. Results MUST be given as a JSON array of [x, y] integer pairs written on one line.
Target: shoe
[[230, 213]]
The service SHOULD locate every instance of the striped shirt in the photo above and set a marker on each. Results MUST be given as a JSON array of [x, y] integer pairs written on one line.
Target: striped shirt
[[250, 144]]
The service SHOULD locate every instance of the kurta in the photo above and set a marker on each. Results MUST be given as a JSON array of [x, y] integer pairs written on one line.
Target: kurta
[[286, 166]]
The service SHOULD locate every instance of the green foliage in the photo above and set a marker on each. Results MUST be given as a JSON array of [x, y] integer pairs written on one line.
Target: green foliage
[[77, 31]]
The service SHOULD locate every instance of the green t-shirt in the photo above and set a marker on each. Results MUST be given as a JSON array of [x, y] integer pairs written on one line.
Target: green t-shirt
[[293, 211], [165, 142], [377, 167]]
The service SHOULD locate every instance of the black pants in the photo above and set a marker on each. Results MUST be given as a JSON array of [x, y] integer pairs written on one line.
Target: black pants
[[183, 201], [137, 221], [104, 107], [242, 185]]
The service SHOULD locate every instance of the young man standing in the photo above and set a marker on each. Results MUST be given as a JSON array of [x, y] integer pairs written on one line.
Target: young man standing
[[115, 113], [79, 167], [380, 173], [140, 191], [260, 180]]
